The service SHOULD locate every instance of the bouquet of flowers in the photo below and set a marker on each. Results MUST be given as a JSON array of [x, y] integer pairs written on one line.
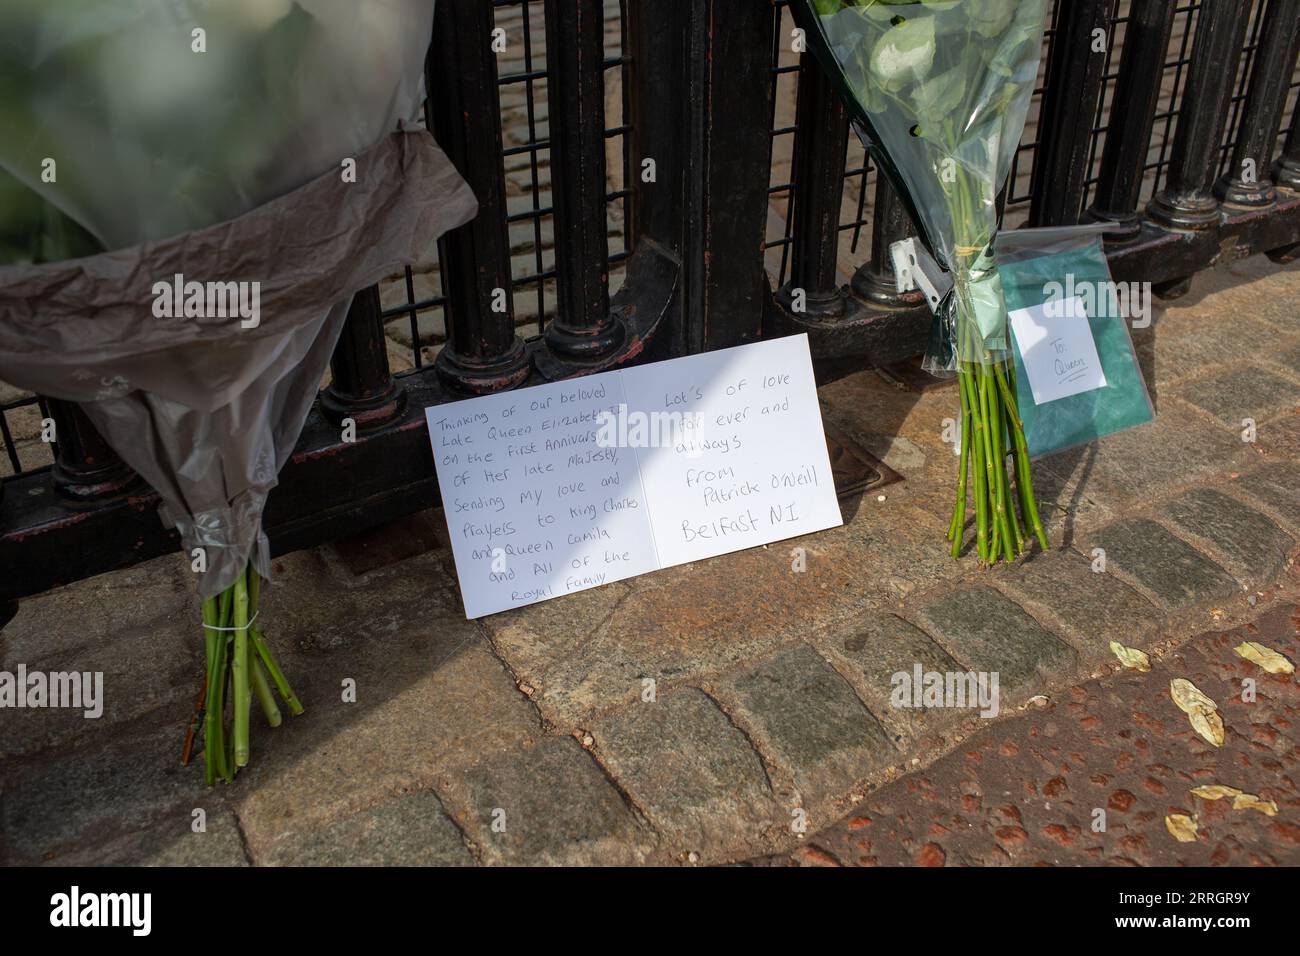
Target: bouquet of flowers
[[940, 89], [192, 191]]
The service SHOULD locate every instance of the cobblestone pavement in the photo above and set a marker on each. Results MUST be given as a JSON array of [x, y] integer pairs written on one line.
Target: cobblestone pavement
[[705, 713], [1088, 776]]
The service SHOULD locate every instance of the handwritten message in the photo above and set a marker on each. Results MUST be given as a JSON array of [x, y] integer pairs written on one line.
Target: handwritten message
[[563, 487], [1060, 354]]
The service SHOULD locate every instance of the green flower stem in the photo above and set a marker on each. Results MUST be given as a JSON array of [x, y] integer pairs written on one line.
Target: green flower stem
[[958, 525], [217, 694], [1004, 508], [281, 684], [967, 380], [262, 690], [239, 672], [211, 719], [990, 452], [1023, 478], [997, 465]]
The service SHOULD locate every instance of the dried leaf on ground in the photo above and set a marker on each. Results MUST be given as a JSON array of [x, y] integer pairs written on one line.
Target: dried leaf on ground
[[1248, 801], [1130, 657], [1201, 711], [1208, 724], [1215, 791], [1265, 657], [1188, 696], [1181, 827]]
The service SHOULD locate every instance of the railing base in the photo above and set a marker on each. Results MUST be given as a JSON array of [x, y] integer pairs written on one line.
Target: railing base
[[865, 336], [647, 302]]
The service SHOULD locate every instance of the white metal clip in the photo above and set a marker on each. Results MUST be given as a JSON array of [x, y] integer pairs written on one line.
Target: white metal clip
[[914, 268]]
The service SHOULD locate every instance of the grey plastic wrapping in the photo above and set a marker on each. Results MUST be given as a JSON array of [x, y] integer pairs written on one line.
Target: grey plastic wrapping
[[143, 119], [208, 411]]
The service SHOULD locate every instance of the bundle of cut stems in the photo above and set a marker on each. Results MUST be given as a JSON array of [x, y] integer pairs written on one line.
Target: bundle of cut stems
[[990, 433], [240, 666]]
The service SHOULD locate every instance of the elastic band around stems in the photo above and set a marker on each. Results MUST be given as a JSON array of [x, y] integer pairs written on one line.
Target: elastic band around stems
[[213, 627]]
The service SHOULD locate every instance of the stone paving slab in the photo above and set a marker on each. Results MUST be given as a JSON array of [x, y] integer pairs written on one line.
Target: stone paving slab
[[407, 830], [1091, 606], [1274, 486], [687, 768], [165, 649], [1252, 545], [1143, 463], [985, 629], [1179, 344], [170, 842], [102, 790], [1234, 395], [1285, 358], [806, 716], [880, 646], [1280, 438], [1167, 568], [423, 707], [548, 804]]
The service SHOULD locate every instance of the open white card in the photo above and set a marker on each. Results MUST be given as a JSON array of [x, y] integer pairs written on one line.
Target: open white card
[[1058, 349], [563, 487]]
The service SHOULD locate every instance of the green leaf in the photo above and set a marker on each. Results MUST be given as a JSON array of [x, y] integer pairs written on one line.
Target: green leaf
[[905, 54], [990, 17], [940, 95]]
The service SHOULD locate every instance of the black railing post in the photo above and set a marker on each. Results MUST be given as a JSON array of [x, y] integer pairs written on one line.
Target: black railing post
[[483, 353], [658, 113], [1287, 172], [1246, 182], [728, 168], [1187, 201], [86, 470], [361, 384], [583, 329], [820, 145], [1137, 93], [875, 280], [1069, 109]]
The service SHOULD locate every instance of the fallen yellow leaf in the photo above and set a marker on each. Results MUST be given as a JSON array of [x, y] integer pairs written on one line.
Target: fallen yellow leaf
[[1208, 724], [1265, 657], [1215, 791], [1188, 696], [1200, 710], [1130, 657], [1248, 801], [1181, 827]]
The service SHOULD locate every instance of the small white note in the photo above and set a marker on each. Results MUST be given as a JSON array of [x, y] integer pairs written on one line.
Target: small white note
[[563, 487], [1056, 344]]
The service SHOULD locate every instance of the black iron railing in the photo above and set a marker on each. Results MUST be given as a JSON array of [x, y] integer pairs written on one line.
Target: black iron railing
[[658, 177]]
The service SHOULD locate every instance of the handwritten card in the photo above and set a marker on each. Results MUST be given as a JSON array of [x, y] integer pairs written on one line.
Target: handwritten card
[[567, 486], [1056, 344]]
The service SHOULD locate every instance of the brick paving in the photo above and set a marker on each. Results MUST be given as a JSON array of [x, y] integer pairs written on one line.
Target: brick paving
[[734, 708], [1089, 776]]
